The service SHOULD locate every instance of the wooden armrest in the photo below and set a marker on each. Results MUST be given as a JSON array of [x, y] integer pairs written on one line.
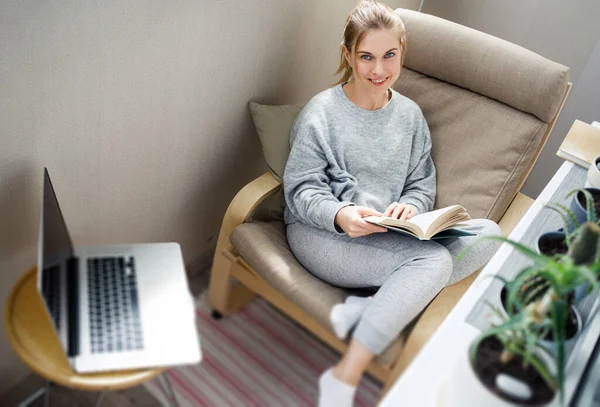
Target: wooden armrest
[[514, 213], [239, 211], [244, 203]]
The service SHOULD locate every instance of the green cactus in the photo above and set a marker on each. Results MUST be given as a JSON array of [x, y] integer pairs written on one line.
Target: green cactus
[[585, 249], [538, 297], [533, 289]]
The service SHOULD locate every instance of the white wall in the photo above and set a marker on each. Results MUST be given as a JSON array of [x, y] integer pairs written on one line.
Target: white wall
[[139, 110], [567, 32]]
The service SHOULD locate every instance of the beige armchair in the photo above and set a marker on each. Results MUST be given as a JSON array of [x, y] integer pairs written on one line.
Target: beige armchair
[[490, 106]]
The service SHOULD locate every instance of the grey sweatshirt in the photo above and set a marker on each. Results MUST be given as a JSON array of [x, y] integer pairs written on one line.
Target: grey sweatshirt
[[344, 155]]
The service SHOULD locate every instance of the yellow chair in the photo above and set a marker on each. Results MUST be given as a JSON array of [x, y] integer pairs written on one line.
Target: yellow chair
[[34, 340], [490, 106]]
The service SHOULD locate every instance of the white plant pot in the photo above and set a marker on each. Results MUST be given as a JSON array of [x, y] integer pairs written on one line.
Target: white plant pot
[[593, 174], [464, 389]]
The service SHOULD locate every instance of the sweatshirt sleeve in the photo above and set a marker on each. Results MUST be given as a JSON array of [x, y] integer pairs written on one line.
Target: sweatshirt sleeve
[[420, 185], [308, 194]]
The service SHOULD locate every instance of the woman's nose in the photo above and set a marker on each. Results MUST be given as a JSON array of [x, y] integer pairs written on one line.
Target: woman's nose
[[378, 68]]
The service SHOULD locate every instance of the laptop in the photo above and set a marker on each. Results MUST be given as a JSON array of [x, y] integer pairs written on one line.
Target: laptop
[[116, 307]]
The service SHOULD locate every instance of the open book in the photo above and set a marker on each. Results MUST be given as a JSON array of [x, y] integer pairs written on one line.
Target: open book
[[439, 224]]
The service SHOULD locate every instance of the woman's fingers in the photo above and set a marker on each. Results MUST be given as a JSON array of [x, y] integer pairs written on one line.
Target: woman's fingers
[[364, 211], [408, 212], [398, 211], [388, 211], [361, 227], [371, 228]]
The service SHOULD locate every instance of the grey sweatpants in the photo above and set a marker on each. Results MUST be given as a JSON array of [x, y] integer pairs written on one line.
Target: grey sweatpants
[[408, 272]]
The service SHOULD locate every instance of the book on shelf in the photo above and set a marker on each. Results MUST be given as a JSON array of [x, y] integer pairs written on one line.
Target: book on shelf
[[441, 223], [581, 144]]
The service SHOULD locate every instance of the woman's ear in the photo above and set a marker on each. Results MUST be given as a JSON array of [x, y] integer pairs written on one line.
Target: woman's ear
[[347, 55]]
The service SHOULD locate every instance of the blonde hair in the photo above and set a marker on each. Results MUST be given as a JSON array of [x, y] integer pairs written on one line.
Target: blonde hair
[[368, 15]]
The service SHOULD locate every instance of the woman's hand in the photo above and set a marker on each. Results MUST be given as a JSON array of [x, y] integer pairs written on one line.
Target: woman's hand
[[400, 211], [349, 218]]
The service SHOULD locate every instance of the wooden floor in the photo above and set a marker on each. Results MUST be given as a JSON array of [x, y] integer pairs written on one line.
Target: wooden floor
[[64, 397]]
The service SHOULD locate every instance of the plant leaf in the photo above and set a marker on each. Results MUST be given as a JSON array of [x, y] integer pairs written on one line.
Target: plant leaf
[[590, 276], [558, 312], [566, 214]]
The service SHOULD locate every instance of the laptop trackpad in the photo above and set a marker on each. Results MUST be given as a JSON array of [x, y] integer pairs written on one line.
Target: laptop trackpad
[[167, 314]]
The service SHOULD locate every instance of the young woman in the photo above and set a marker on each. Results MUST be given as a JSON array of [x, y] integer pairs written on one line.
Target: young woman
[[359, 149]]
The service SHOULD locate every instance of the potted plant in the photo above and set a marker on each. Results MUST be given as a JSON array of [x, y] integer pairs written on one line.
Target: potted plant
[[585, 204], [509, 360], [530, 292], [505, 366], [551, 243]]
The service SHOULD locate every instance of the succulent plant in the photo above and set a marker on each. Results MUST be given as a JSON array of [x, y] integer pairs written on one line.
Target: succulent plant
[[540, 295], [586, 247]]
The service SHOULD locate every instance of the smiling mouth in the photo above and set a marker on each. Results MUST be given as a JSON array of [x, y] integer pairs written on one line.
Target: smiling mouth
[[379, 81]]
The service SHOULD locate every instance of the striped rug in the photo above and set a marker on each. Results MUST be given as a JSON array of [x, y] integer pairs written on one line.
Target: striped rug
[[256, 357]]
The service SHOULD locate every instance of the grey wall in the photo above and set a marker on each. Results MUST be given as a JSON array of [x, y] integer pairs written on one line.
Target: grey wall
[[139, 110], [567, 32]]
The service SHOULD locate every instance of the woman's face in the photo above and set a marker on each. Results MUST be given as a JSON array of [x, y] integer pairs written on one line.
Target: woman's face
[[376, 63]]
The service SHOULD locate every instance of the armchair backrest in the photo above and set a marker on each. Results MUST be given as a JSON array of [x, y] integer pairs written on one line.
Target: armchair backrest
[[489, 104]]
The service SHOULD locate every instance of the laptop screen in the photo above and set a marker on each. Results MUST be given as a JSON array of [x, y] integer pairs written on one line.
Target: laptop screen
[[55, 248], [57, 242]]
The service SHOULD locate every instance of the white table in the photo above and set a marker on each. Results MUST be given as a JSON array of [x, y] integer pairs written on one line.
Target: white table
[[420, 383]]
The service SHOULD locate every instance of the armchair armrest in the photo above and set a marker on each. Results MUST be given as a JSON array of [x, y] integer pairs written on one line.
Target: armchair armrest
[[239, 211], [514, 213], [244, 203]]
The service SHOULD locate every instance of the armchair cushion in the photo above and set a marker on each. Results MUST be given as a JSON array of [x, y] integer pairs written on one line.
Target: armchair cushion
[[273, 125], [484, 64], [482, 149], [263, 245]]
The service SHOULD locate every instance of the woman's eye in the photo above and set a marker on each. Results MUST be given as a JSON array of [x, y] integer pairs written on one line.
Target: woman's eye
[[366, 57], [390, 55]]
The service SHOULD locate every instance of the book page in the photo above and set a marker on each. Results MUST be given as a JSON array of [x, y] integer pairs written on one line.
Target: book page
[[395, 223], [426, 224], [425, 220], [419, 223]]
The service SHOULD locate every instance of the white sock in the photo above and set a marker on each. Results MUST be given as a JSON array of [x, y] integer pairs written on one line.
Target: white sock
[[333, 392], [344, 316]]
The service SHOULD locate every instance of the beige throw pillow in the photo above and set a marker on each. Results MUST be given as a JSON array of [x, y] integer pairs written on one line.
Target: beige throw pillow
[[273, 125]]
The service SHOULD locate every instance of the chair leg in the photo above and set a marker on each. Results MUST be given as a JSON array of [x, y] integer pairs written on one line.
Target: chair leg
[[219, 288], [42, 391], [99, 399], [223, 296], [167, 390], [47, 395]]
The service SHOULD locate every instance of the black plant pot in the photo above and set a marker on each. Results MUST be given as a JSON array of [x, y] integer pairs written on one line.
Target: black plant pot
[[552, 243]]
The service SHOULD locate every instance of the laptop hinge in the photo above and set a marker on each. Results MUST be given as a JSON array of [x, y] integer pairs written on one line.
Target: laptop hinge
[[73, 306]]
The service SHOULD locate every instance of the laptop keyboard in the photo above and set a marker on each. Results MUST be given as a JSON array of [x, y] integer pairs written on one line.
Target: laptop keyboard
[[115, 324], [51, 289]]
